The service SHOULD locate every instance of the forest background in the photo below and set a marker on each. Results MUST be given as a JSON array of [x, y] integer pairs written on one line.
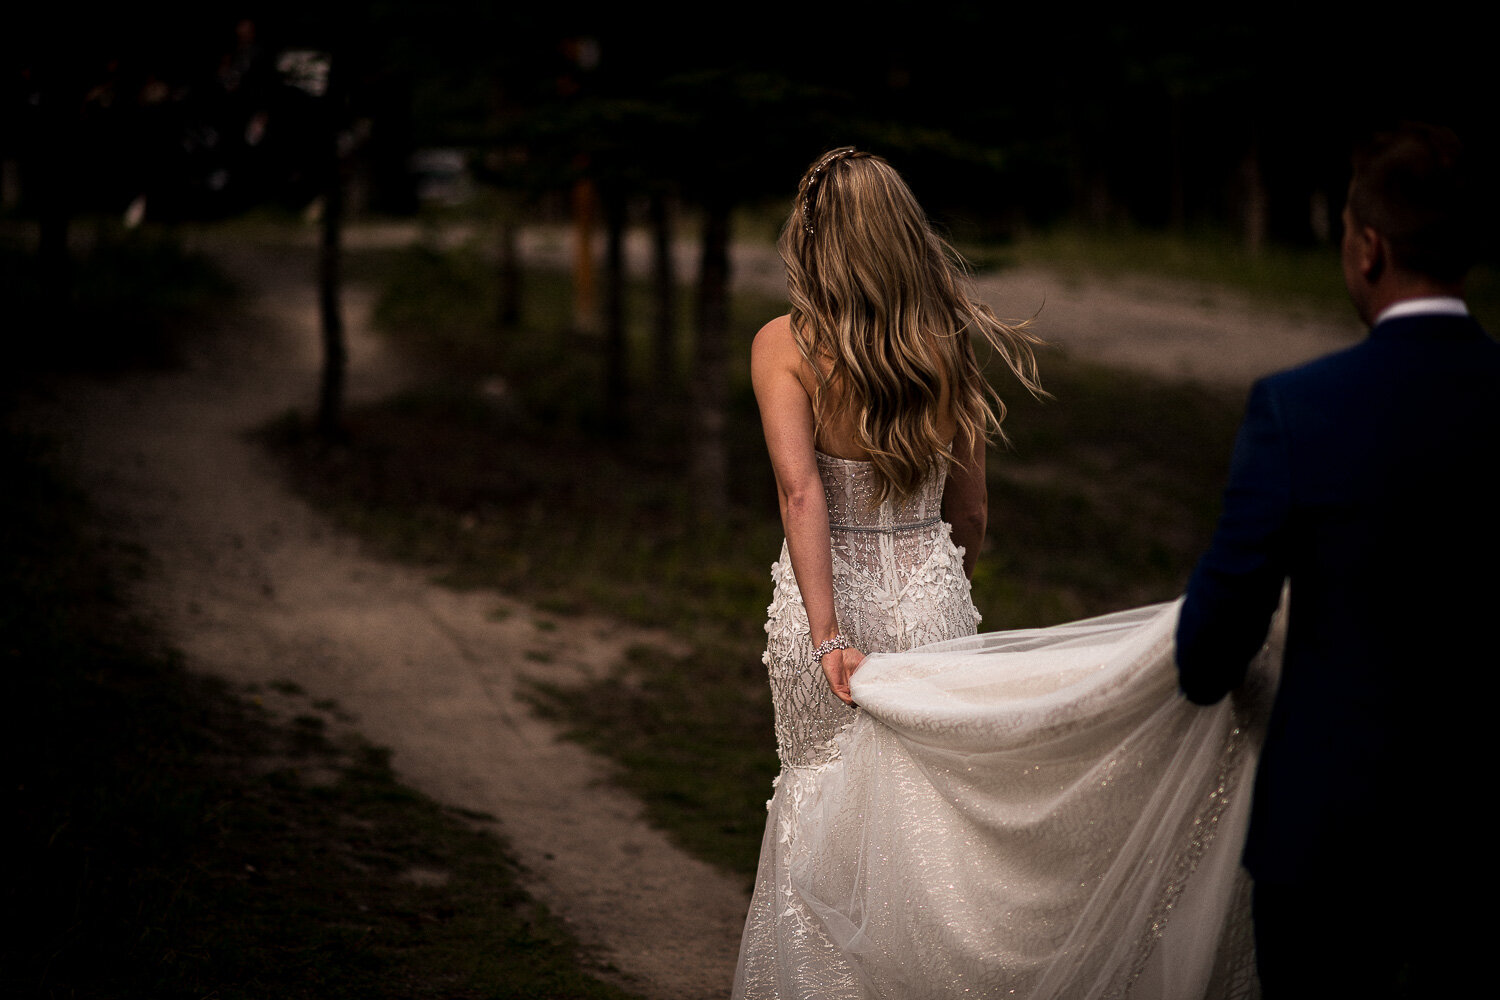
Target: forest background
[[577, 432]]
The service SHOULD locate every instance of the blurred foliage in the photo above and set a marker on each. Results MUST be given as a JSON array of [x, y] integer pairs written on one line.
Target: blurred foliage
[[130, 300], [1008, 117]]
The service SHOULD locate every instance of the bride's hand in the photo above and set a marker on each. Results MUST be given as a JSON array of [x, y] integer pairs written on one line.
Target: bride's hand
[[839, 666]]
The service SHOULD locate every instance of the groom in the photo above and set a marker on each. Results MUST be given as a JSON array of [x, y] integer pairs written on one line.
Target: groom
[[1365, 480]]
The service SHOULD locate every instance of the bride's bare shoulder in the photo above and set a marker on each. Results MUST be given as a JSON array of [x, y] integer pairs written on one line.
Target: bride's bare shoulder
[[775, 341], [779, 329]]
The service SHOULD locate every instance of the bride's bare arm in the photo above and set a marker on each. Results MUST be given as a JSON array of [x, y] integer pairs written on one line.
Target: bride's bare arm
[[966, 503], [786, 416]]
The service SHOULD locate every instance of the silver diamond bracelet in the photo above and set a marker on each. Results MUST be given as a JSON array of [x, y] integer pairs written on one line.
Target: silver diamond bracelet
[[828, 646]]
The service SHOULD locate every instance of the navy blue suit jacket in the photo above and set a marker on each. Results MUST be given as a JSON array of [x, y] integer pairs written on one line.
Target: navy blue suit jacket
[[1363, 478]]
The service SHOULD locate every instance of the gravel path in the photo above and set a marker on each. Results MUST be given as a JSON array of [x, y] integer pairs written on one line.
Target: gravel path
[[1175, 331], [253, 585]]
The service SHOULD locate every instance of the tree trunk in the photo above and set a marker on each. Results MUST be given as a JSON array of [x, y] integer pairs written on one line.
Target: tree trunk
[[508, 309], [54, 180], [664, 287], [710, 381], [330, 278], [1256, 208], [1177, 210], [615, 387], [585, 315]]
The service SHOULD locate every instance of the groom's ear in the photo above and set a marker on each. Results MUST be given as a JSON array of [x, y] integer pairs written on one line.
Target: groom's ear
[[1371, 253]]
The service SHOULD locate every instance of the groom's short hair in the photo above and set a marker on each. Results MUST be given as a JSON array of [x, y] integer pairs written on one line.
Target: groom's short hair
[[1411, 186]]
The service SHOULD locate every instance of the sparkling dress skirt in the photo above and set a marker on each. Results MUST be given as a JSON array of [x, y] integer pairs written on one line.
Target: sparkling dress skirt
[[1036, 813]]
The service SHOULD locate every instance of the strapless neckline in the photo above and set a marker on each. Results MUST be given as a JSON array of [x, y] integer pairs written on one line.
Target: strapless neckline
[[850, 461], [840, 458]]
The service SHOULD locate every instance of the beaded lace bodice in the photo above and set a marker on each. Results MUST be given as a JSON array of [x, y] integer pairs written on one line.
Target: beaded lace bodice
[[898, 582], [851, 489]]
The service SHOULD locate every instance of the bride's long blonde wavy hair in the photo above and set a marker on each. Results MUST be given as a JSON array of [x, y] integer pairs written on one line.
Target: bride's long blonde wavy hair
[[884, 313]]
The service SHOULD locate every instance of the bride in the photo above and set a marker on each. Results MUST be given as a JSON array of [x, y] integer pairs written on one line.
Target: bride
[[1031, 814]]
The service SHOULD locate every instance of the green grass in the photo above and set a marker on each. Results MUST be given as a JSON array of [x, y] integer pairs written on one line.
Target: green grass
[[1106, 499]]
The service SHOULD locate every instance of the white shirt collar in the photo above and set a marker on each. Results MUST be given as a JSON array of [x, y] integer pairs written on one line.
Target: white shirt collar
[[1445, 305]]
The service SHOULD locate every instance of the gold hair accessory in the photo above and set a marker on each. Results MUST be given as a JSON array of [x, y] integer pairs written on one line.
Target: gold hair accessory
[[817, 171]]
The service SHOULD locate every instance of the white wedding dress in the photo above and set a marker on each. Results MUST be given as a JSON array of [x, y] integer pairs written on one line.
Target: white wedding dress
[[1029, 814]]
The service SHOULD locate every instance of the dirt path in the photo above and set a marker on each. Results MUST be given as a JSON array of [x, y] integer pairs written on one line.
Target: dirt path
[[1177, 331], [253, 585]]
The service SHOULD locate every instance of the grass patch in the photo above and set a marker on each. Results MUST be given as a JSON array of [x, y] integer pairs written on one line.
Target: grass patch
[[1105, 501], [175, 838], [1107, 497]]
